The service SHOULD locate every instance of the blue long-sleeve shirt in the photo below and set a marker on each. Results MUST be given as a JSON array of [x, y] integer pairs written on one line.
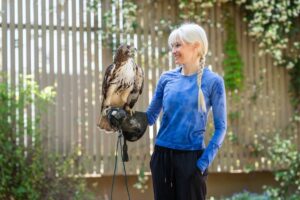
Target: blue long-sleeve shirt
[[183, 126]]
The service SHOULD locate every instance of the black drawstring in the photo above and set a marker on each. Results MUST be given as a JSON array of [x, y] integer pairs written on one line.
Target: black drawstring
[[165, 165], [172, 168], [168, 166]]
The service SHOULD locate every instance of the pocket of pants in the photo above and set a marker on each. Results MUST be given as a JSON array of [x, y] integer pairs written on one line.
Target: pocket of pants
[[199, 179], [205, 173], [198, 185]]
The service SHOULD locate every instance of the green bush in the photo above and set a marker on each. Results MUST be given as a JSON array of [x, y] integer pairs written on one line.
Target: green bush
[[286, 159], [27, 171], [286, 168], [247, 196]]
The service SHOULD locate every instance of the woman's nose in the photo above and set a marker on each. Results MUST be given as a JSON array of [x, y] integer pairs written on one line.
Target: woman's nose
[[174, 50]]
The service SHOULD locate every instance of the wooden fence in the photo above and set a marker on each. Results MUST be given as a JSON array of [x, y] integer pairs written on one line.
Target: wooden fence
[[59, 43]]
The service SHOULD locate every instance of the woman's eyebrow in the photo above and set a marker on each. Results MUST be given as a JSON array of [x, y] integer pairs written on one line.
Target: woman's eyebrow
[[175, 43]]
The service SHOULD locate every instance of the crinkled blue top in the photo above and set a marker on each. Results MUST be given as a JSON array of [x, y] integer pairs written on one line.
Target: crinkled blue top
[[182, 125]]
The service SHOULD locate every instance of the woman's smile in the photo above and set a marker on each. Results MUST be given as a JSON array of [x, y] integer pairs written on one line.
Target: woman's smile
[[177, 57]]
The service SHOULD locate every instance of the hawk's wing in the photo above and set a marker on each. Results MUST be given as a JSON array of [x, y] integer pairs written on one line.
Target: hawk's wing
[[103, 123], [138, 87], [108, 76]]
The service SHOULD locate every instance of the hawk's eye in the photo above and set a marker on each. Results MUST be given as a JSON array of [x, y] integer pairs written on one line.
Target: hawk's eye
[[125, 50]]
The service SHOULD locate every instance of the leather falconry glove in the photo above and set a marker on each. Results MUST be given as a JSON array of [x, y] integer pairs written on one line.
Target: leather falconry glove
[[133, 127]]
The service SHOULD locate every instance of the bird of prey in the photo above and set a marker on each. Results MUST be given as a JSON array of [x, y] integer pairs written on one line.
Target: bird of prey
[[122, 85]]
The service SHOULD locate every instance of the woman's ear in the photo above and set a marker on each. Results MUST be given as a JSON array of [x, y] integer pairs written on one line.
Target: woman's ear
[[197, 47]]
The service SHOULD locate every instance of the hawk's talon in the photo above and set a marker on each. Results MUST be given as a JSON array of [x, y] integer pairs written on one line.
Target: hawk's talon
[[129, 110], [106, 110]]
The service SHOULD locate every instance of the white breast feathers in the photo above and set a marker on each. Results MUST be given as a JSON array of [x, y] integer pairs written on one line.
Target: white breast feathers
[[126, 73]]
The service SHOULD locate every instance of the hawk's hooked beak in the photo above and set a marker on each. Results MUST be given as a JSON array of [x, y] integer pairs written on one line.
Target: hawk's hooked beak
[[133, 51]]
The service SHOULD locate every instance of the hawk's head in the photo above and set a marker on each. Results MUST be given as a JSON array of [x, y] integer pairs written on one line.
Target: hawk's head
[[124, 52]]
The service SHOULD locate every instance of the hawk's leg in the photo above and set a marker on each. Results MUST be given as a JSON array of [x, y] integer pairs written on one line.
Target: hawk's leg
[[125, 94], [131, 111]]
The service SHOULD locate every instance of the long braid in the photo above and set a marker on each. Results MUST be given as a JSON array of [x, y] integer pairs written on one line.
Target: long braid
[[201, 100]]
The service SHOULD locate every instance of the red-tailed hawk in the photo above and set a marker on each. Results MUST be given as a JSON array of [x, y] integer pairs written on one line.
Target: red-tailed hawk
[[122, 85]]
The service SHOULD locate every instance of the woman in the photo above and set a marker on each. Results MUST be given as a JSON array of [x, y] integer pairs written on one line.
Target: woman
[[185, 95]]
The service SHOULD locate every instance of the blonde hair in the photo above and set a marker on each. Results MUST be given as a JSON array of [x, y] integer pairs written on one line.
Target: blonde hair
[[191, 33]]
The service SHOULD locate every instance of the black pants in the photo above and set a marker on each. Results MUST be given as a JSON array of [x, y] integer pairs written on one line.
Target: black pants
[[176, 176]]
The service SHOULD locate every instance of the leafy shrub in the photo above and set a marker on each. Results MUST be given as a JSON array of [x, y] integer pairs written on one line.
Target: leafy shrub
[[27, 171], [247, 196], [286, 158], [286, 161]]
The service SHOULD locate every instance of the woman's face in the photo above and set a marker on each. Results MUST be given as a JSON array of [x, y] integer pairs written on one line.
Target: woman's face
[[183, 52]]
